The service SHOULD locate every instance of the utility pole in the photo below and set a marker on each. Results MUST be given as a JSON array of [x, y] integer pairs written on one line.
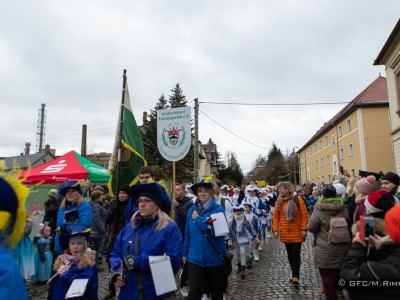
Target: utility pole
[[196, 140]]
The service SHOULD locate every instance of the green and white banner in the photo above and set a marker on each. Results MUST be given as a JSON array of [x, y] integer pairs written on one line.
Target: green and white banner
[[174, 132]]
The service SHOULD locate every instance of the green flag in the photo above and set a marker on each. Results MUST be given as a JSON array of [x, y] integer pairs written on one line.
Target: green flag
[[131, 147]]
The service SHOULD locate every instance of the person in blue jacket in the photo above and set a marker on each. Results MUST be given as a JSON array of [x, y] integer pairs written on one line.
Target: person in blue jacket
[[74, 214], [12, 223], [150, 232], [206, 270]]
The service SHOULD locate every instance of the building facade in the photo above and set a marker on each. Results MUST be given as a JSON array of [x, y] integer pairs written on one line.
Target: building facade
[[390, 57], [356, 139]]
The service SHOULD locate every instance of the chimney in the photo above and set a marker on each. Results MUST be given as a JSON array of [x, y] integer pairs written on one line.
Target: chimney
[[84, 138], [27, 148], [144, 120]]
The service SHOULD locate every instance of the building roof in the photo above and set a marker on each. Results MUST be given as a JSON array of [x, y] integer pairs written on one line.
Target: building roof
[[374, 95], [388, 44], [23, 161]]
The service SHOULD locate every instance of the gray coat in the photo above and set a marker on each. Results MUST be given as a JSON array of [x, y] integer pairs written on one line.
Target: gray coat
[[99, 220], [328, 256]]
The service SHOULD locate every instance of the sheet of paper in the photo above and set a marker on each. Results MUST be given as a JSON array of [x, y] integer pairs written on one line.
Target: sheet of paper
[[77, 288], [220, 225], [163, 276]]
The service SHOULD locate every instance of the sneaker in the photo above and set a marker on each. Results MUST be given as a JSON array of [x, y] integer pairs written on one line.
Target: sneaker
[[256, 258], [269, 235], [295, 281], [260, 247], [184, 292], [339, 294]]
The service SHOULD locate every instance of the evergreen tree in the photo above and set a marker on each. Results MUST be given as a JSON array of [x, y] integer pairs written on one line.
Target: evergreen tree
[[232, 174], [177, 99], [276, 168], [153, 156]]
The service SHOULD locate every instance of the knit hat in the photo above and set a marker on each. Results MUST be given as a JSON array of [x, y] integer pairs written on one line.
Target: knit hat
[[366, 185], [378, 202], [391, 177], [340, 189], [99, 188], [124, 188], [329, 191], [392, 223]]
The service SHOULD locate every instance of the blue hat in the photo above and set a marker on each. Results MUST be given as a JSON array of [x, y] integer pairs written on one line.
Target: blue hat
[[72, 184], [237, 207], [153, 191], [8, 197], [204, 182]]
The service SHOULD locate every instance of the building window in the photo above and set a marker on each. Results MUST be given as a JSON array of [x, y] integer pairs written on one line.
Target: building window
[[316, 164], [322, 161], [320, 144], [327, 160], [334, 166], [341, 153], [352, 172], [329, 178], [315, 147], [348, 125], [326, 140], [351, 150], [339, 133]]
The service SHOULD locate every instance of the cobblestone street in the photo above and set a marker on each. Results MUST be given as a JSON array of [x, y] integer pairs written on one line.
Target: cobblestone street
[[268, 279]]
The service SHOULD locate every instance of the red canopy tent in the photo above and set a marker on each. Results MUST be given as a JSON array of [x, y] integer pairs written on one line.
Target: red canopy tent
[[70, 166]]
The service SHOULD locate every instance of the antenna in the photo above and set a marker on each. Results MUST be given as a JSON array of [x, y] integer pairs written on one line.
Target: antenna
[[41, 128]]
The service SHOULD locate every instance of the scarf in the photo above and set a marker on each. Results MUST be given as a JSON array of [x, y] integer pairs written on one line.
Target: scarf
[[290, 206], [239, 222], [202, 207]]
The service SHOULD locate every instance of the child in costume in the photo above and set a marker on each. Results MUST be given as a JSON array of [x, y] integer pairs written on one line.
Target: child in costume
[[43, 256], [77, 262], [12, 222], [242, 235], [252, 218], [23, 251]]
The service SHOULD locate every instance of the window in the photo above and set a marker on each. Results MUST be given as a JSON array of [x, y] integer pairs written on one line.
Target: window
[[341, 153], [329, 178], [326, 140], [316, 164], [334, 166], [348, 125], [339, 133], [315, 147], [320, 144], [352, 173], [333, 146], [327, 160], [323, 179], [322, 161], [351, 150]]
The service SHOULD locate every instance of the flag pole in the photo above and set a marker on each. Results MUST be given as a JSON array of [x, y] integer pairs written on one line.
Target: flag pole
[[173, 179], [121, 123]]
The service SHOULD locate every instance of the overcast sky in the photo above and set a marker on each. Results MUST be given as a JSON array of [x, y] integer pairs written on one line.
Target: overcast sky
[[70, 55]]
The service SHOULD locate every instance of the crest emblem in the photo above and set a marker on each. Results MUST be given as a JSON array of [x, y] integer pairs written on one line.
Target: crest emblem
[[173, 135]]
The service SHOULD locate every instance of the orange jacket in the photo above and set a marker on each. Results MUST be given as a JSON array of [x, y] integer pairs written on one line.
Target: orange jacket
[[290, 231]]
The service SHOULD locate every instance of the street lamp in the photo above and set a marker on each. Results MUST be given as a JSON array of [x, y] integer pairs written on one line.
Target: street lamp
[[295, 162]]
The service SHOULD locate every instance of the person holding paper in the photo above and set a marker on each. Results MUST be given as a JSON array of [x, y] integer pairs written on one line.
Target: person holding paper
[[150, 233], [76, 263], [206, 270]]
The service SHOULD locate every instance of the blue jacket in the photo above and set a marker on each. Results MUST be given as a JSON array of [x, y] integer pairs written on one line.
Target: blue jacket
[[11, 283], [63, 283], [130, 210], [196, 248], [167, 241], [82, 223]]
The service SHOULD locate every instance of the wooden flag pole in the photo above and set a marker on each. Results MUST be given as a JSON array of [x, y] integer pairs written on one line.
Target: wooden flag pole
[[173, 179]]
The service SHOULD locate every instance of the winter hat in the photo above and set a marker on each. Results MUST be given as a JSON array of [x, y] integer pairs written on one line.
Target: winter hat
[[251, 188], [366, 185], [392, 223], [124, 188], [248, 204], [378, 202], [99, 188], [329, 191], [340, 189], [391, 177], [72, 184]]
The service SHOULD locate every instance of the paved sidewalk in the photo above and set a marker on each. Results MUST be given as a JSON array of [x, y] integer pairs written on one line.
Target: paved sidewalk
[[268, 279]]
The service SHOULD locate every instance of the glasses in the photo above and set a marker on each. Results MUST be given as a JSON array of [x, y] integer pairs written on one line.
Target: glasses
[[143, 200]]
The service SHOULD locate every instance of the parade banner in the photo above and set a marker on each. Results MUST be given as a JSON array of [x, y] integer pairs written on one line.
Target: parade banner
[[174, 132]]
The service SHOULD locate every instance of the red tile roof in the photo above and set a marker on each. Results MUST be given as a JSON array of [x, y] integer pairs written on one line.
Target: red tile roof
[[375, 94]]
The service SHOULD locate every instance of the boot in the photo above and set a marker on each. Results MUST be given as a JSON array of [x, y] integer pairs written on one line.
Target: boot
[[238, 268], [243, 272], [250, 262]]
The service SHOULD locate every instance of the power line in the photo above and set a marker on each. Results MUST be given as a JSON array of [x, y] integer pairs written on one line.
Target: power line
[[232, 132], [274, 104]]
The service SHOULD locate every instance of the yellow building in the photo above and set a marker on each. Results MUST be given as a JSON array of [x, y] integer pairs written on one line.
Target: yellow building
[[357, 138], [390, 57]]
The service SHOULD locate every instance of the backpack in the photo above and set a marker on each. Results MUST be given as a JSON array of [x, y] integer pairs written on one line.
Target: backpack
[[338, 231]]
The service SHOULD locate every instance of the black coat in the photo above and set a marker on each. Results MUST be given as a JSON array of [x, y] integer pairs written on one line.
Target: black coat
[[181, 213], [382, 264], [51, 206]]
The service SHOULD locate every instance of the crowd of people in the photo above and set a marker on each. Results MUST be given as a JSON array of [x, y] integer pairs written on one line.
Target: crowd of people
[[354, 223]]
